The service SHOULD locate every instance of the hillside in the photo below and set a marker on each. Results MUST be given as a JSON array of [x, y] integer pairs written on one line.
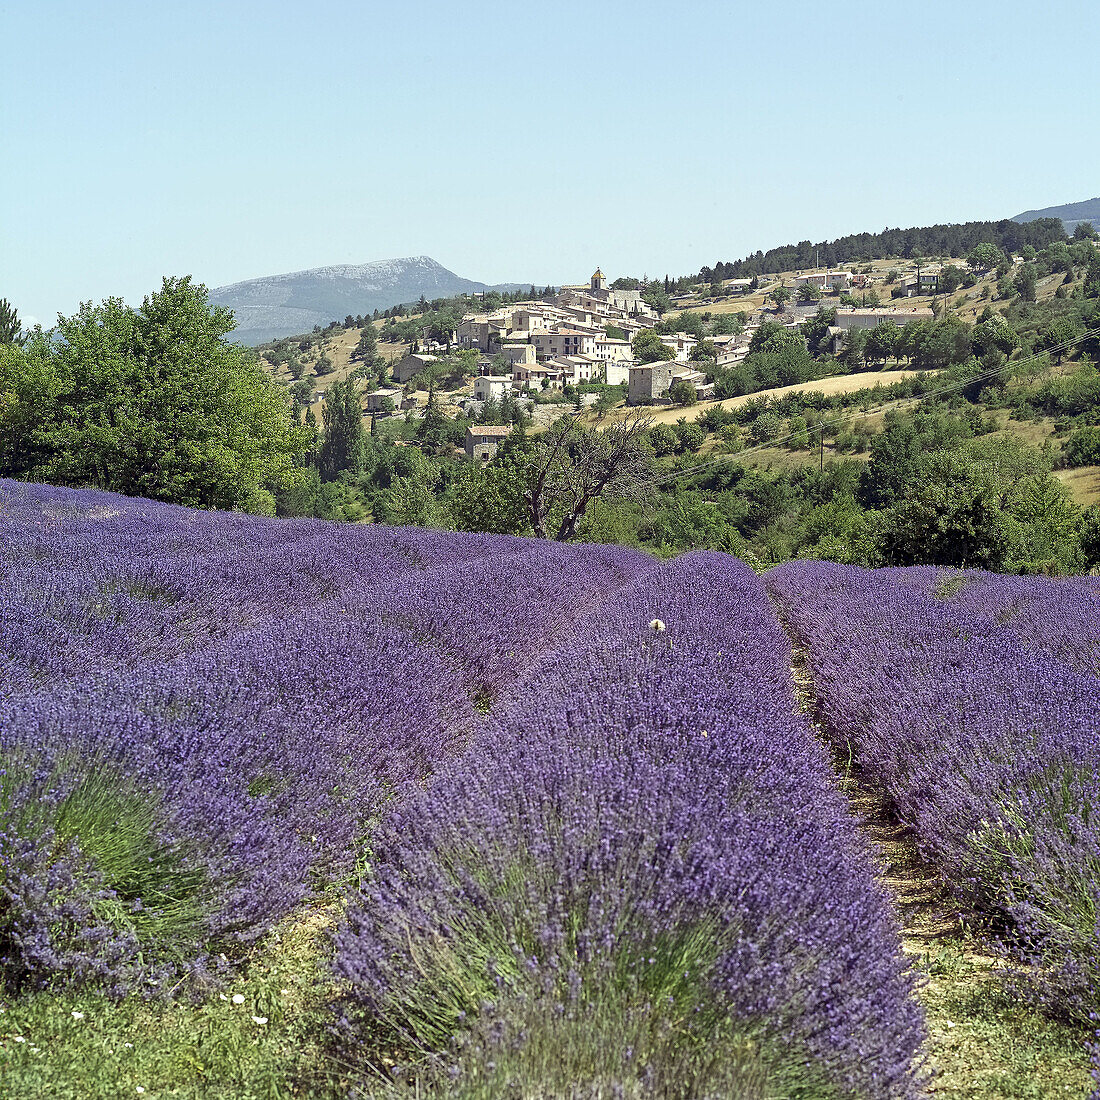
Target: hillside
[[1071, 213], [281, 305]]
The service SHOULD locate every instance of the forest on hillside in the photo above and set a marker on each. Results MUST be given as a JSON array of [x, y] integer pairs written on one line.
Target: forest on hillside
[[931, 240]]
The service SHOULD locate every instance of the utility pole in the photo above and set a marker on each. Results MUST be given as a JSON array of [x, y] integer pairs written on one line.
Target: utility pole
[[821, 452]]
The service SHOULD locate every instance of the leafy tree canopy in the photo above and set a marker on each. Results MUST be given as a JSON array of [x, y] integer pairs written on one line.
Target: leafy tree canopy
[[149, 402], [648, 348]]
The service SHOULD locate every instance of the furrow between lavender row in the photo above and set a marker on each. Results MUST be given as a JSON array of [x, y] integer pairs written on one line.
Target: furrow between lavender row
[[974, 702], [640, 874], [157, 816]]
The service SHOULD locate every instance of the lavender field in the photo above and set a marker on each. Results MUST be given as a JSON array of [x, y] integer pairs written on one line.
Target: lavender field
[[559, 820]]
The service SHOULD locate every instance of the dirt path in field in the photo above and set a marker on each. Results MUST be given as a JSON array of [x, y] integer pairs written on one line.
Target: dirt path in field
[[924, 903], [982, 1041]]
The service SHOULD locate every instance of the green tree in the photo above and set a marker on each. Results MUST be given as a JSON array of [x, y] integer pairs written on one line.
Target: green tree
[[882, 342], [657, 299], [951, 278], [150, 402], [994, 334], [772, 336], [342, 421], [988, 503], [11, 330], [899, 451], [490, 498], [1025, 282], [647, 347], [1057, 334], [780, 295], [704, 352], [366, 351], [815, 329], [985, 257], [682, 392], [663, 440], [1089, 535], [808, 293]]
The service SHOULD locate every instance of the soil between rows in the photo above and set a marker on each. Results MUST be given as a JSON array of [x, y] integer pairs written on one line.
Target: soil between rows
[[982, 1041]]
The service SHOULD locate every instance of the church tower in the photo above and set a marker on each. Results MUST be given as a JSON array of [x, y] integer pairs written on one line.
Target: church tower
[[598, 281]]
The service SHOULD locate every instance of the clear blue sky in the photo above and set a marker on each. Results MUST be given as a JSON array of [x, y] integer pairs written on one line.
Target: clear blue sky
[[516, 142]]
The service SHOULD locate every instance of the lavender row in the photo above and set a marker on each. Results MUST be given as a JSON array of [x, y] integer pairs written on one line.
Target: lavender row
[[642, 843], [93, 580], [974, 701], [249, 768]]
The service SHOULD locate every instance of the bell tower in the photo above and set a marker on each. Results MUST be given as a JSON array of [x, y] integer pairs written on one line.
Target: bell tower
[[598, 281]]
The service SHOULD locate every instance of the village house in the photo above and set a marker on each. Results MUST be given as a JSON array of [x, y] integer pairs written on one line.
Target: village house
[[925, 283], [563, 342], [532, 376], [825, 280], [376, 400], [681, 345], [616, 373], [867, 317], [648, 382], [598, 296], [530, 318], [482, 440], [411, 365], [579, 368], [730, 355], [697, 379], [518, 353], [487, 388], [848, 319], [473, 332], [610, 350]]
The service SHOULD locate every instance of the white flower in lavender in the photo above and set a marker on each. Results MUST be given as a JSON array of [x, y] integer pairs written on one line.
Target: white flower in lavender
[[656, 625], [19, 1038], [259, 1019], [238, 998], [78, 1015]]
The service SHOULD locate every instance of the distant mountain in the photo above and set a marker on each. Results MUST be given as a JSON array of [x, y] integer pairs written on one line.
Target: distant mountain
[[284, 305], [1071, 214]]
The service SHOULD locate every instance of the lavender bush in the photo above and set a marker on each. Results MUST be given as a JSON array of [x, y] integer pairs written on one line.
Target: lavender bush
[[639, 876], [202, 714], [975, 702]]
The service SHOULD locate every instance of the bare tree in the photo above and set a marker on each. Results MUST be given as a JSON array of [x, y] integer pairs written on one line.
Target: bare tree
[[572, 465]]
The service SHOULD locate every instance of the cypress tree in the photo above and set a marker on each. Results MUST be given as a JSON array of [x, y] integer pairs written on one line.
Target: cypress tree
[[342, 448]]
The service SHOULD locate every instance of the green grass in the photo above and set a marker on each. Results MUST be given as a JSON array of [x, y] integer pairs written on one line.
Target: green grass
[[210, 1049], [106, 830], [986, 1044]]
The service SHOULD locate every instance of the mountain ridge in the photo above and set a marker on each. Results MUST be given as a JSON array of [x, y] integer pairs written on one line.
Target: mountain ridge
[[1070, 213], [272, 306]]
